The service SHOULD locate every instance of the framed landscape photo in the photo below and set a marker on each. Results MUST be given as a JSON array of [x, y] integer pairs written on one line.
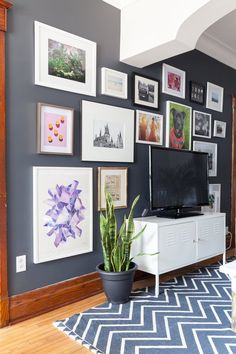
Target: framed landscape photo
[[54, 129], [112, 180], [215, 97], [146, 91], [107, 133], [173, 81], [149, 128], [114, 83], [211, 149], [201, 124], [197, 93], [214, 199], [178, 125], [219, 129], [62, 212], [64, 61]]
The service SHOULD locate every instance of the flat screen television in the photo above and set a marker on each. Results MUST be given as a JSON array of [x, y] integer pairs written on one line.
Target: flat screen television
[[178, 180]]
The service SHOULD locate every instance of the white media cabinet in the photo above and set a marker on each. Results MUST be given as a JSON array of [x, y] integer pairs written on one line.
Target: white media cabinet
[[180, 242]]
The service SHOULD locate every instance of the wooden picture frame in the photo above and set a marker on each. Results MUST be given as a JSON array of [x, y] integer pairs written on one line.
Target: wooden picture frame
[[115, 181]]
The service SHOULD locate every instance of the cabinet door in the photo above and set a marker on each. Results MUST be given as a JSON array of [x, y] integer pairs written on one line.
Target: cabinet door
[[177, 245], [210, 237]]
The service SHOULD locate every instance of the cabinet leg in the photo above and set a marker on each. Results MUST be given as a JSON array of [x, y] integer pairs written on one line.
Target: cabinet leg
[[157, 285]]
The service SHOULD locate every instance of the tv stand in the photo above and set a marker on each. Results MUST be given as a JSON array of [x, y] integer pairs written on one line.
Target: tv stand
[[179, 242], [177, 213]]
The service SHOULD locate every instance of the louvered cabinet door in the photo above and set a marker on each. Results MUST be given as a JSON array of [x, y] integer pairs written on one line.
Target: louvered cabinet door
[[177, 246], [210, 237]]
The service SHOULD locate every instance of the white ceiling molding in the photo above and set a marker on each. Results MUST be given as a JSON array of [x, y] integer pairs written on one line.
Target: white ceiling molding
[[154, 30], [217, 49], [119, 3]]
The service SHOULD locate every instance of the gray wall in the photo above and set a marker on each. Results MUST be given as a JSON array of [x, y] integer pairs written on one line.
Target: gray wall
[[98, 22]]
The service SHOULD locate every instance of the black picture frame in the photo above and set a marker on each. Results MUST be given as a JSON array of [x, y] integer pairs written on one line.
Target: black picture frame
[[146, 91], [197, 92]]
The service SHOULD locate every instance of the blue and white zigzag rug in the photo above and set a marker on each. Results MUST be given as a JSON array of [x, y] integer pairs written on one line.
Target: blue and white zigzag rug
[[192, 315]]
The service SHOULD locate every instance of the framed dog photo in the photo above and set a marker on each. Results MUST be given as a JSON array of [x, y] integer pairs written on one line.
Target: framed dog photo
[[146, 91], [149, 128], [219, 129], [197, 93], [54, 129], [201, 124], [112, 180], [178, 125], [173, 81], [211, 149], [215, 96], [114, 83]]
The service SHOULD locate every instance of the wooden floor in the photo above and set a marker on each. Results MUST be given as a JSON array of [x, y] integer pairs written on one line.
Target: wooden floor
[[37, 335]]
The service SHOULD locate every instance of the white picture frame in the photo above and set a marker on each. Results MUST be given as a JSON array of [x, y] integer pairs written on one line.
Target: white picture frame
[[114, 83], [211, 149], [55, 129], [107, 133], [201, 124], [219, 129], [115, 181], [215, 193], [48, 40], [149, 128], [173, 81], [62, 232], [215, 97]]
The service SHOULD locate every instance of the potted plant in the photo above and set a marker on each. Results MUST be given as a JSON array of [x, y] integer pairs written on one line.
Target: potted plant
[[117, 271]]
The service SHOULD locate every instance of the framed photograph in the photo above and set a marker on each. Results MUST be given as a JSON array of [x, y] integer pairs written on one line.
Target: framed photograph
[[214, 199], [62, 212], [54, 129], [211, 149], [108, 133], [201, 124], [64, 61], [215, 96], [146, 91], [149, 128], [173, 81], [114, 83], [197, 93], [114, 181], [219, 129], [178, 125]]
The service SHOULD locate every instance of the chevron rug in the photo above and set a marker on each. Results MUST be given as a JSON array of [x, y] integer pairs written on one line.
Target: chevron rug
[[191, 316]]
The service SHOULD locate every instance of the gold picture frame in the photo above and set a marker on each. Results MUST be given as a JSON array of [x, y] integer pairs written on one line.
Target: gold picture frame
[[115, 181]]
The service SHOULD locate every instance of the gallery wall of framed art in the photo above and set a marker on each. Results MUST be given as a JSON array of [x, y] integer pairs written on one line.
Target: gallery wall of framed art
[[67, 88]]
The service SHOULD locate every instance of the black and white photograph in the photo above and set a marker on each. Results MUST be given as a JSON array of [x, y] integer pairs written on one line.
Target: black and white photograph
[[211, 149], [146, 91], [108, 135], [201, 124], [197, 93], [219, 129]]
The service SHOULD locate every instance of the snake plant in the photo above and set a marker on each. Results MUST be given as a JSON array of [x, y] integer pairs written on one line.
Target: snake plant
[[116, 244]]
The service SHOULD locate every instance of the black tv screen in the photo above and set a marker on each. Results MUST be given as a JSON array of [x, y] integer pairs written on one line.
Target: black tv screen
[[178, 178]]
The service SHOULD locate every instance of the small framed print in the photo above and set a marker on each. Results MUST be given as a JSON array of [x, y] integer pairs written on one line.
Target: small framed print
[[173, 81], [219, 129], [214, 199], [149, 128], [201, 124], [146, 91], [211, 149], [114, 181], [114, 83], [197, 93], [215, 97], [54, 129]]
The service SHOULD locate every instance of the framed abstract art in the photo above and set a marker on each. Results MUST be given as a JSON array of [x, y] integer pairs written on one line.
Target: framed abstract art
[[62, 212]]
